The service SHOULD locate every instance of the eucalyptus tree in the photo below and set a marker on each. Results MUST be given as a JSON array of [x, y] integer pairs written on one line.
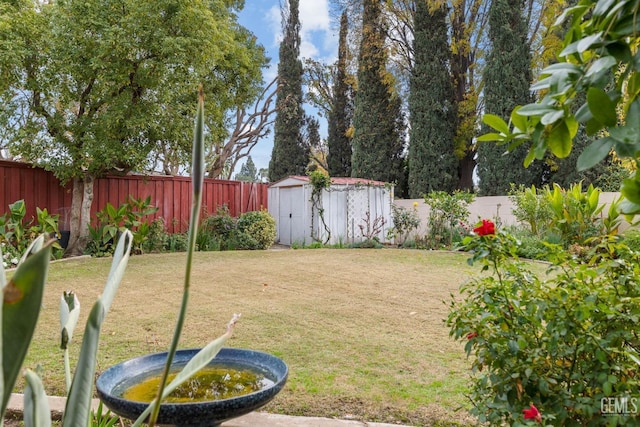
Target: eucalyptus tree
[[107, 82]]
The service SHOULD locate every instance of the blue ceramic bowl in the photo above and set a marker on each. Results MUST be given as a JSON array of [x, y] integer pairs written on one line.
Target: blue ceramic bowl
[[116, 379]]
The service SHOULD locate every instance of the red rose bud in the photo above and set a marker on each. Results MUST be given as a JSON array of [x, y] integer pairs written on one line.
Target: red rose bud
[[532, 414]]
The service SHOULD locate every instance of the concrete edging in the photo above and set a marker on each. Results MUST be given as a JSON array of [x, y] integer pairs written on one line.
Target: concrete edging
[[262, 419]]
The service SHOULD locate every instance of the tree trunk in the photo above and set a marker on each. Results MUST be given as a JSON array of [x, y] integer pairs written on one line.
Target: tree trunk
[[467, 165], [82, 199]]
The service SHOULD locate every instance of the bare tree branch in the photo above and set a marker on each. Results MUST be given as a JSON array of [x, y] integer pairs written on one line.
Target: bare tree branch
[[249, 128]]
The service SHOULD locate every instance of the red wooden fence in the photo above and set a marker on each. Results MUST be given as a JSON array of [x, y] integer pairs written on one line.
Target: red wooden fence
[[171, 194]]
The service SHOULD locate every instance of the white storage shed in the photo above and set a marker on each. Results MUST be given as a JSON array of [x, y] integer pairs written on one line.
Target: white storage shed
[[353, 209]]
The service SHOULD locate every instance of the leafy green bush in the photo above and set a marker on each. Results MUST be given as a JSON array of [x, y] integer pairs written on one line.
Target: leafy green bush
[[131, 215], [632, 239], [176, 242], [530, 207], [242, 240], [405, 221], [16, 235], [447, 217], [571, 217], [562, 343], [259, 226], [157, 236], [218, 231], [529, 245]]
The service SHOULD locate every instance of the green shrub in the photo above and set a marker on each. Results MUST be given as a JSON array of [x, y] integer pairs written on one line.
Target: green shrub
[[217, 232], [242, 240], [572, 214], [562, 343], [529, 245], [405, 221], [447, 217], [631, 238], [157, 237], [531, 207], [176, 242], [131, 215], [17, 235], [259, 226]]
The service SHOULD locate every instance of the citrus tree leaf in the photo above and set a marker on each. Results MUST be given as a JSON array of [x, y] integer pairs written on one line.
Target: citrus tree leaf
[[496, 123], [631, 190], [594, 153], [601, 106], [559, 140], [487, 137]]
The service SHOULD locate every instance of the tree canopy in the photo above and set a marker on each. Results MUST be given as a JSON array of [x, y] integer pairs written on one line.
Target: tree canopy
[[107, 83]]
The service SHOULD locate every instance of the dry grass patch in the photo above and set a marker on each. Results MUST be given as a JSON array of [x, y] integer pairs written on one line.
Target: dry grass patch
[[361, 330]]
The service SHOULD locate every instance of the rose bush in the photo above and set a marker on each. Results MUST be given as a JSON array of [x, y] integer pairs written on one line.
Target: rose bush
[[548, 349]]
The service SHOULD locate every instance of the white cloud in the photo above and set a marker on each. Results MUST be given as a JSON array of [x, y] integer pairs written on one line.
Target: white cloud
[[315, 26], [314, 15]]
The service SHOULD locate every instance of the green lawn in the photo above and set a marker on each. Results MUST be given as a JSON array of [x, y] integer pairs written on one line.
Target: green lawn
[[361, 330]]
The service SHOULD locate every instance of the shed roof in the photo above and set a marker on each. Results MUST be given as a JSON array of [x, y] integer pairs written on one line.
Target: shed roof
[[301, 180]]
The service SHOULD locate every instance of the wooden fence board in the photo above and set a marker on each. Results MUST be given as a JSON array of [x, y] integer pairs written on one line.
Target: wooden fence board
[[172, 195]]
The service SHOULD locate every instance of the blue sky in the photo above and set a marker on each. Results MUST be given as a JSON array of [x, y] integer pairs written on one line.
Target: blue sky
[[319, 42]]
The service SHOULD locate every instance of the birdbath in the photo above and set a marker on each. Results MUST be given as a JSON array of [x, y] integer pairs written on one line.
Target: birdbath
[[209, 412]]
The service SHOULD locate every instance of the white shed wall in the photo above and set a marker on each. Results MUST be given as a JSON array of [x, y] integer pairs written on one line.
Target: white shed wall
[[345, 209]]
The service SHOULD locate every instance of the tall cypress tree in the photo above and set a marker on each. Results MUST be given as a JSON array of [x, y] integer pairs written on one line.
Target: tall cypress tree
[[340, 117], [507, 78], [290, 156], [374, 119], [433, 165]]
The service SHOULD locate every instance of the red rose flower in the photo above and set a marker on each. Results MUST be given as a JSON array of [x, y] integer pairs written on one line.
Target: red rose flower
[[532, 414], [486, 228]]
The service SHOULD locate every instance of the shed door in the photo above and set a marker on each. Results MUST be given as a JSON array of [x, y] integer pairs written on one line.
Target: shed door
[[291, 219]]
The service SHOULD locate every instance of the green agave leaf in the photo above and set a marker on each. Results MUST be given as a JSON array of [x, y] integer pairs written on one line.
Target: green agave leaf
[[22, 299], [496, 123], [594, 153], [34, 247], [36, 405], [197, 178], [197, 362], [78, 408], [69, 313]]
